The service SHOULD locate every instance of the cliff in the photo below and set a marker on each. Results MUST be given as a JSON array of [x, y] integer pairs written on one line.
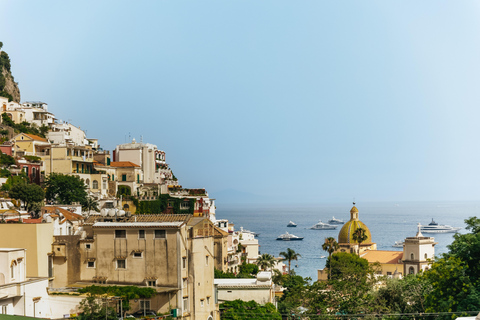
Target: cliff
[[8, 87]]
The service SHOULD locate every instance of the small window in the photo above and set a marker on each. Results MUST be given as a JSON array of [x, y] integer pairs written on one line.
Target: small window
[[206, 260], [137, 254], [91, 264], [185, 282], [120, 234], [185, 303], [184, 262], [411, 270], [426, 256], [159, 234], [95, 184], [144, 305], [141, 234], [208, 301], [121, 264], [151, 283], [124, 177], [412, 256], [201, 302], [88, 246]]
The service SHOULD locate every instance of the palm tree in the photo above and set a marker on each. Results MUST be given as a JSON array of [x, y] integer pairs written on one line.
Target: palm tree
[[330, 245], [289, 256], [266, 261], [90, 204], [359, 235]]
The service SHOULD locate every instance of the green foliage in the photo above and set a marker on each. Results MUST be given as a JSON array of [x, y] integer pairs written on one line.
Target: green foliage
[[242, 310], [90, 204], [65, 189], [330, 245], [91, 309], [24, 127], [247, 270], [294, 294], [161, 204], [28, 193], [7, 121], [6, 160], [219, 274], [124, 191], [266, 261], [12, 180], [290, 255], [5, 173], [33, 158]]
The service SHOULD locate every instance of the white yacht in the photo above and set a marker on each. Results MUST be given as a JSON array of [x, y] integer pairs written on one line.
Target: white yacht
[[398, 244], [291, 224], [289, 237], [434, 227], [336, 221], [323, 226]]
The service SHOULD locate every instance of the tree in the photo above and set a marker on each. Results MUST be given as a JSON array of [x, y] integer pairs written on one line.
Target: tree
[[330, 245], [289, 256], [266, 261], [90, 204], [28, 193], [359, 235], [247, 270], [219, 274], [243, 310], [294, 293], [65, 189], [92, 310]]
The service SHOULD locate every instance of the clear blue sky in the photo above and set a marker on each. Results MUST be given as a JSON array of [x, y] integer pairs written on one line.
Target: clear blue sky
[[301, 101]]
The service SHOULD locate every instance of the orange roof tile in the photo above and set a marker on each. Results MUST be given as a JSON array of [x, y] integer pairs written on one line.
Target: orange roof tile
[[124, 164], [67, 214], [390, 257], [34, 137]]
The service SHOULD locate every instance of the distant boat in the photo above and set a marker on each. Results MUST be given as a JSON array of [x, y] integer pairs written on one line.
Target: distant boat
[[434, 227], [291, 224], [322, 257], [289, 237], [323, 226], [335, 221], [398, 244]]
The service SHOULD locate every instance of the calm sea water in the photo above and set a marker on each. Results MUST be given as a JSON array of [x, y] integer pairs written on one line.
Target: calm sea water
[[388, 222]]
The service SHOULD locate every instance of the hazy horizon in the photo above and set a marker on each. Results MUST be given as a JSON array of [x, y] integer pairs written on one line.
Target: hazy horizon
[[278, 101]]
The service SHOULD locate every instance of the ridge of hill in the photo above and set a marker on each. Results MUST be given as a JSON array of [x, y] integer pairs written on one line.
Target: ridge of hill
[[8, 86]]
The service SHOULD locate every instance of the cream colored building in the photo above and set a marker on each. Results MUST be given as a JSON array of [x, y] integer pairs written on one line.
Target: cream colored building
[[174, 254], [260, 289], [37, 238]]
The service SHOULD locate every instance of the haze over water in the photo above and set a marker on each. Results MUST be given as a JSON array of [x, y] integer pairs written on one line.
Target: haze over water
[[387, 221]]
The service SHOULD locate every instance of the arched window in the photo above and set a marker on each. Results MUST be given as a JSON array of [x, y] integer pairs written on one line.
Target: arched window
[[87, 182], [411, 270], [13, 269], [95, 184], [412, 256], [426, 256], [126, 207]]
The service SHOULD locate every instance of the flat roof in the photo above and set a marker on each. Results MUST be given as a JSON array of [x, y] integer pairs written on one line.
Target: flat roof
[[137, 224]]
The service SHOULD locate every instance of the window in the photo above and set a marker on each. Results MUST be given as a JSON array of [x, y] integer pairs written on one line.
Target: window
[[206, 260], [159, 234], [138, 178], [184, 262], [208, 301], [185, 282], [104, 186], [426, 256], [88, 246], [412, 256], [124, 177], [185, 205], [141, 234], [13, 269], [185, 303], [25, 169], [152, 283], [91, 264], [411, 270], [95, 184], [121, 264], [137, 254], [34, 172], [201, 302], [120, 234], [144, 305]]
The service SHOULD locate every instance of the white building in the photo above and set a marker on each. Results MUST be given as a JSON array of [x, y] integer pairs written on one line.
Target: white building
[[261, 289], [67, 133]]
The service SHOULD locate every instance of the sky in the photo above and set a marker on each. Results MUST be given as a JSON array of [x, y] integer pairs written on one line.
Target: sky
[[276, 101]]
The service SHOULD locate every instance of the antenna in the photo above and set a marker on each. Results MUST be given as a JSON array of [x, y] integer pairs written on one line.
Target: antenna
[[141, 139]]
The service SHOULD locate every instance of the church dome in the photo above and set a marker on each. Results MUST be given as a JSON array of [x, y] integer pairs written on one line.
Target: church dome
[[346, 233]]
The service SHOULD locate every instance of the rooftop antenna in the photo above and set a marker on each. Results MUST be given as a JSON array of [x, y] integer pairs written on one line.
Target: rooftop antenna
[[141, 139]]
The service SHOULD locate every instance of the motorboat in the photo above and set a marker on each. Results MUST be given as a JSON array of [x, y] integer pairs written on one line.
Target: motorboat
[[434, 227], [398, 244], [335, 221], [291, 224], [323, 226], [289, 237]]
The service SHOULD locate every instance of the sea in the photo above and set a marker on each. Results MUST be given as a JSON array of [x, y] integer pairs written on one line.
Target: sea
[[388, 222]]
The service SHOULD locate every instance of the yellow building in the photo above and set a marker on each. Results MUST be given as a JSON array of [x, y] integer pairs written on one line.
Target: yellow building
[[29, 144], [37, 238]]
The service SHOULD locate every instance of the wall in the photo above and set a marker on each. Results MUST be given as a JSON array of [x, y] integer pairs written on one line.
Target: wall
[[36, 238]]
